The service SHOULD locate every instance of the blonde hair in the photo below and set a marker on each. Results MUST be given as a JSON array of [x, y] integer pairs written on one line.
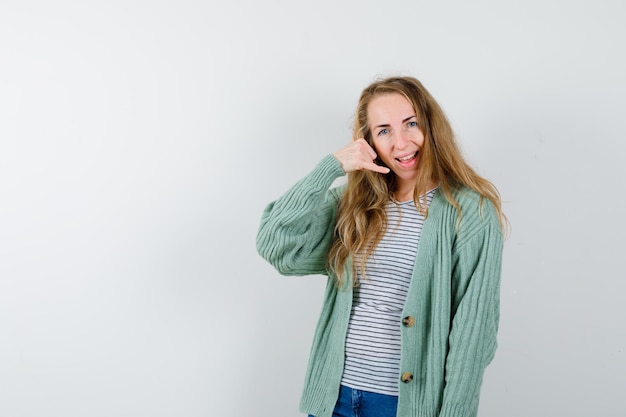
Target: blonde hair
[[361, 216]]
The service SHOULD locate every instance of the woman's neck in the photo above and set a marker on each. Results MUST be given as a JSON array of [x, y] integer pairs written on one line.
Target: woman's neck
[[406, 191], [401, 197]]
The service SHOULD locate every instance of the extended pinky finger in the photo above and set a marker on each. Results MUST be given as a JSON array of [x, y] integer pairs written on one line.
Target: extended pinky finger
[[377, 168]]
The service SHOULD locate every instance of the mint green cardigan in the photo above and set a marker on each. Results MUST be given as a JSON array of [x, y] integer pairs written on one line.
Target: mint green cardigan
[[453, 296]]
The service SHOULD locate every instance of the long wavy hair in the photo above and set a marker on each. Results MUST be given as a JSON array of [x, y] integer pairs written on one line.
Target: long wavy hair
[[361, 216]]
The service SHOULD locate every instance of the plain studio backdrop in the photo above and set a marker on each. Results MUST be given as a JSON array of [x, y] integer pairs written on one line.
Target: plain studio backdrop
[[141, 140]]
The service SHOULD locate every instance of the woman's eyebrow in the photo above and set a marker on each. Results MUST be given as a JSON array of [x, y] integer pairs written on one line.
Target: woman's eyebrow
[[388, 125]]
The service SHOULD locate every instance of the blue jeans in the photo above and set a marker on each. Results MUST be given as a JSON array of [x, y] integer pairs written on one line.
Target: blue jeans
[[357, 403]]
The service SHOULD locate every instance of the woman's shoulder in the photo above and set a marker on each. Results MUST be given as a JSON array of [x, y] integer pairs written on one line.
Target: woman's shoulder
[[475, 209], [464, 197], [471, 199]]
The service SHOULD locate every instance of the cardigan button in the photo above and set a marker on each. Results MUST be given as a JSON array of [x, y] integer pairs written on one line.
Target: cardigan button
[[407, 377], [408, 321]]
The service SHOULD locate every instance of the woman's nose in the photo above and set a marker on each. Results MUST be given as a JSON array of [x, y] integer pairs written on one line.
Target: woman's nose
[[402, 140]]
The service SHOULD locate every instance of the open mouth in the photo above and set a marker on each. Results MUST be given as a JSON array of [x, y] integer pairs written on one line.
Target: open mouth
[[408, 158]]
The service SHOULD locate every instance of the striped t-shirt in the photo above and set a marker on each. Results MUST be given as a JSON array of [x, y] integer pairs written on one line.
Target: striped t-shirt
[[373, 339]]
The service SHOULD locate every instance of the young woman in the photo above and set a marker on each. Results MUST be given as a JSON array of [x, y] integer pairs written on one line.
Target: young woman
[[412, 248]]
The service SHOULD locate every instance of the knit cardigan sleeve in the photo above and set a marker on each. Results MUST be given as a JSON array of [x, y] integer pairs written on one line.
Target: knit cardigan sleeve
[[296, 230], [475, 310]]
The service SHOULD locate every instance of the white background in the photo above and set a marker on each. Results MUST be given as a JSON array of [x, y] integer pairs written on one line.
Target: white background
[[140, 141]]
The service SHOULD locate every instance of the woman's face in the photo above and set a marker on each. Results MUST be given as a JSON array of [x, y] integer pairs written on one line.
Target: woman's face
[[396, 135]]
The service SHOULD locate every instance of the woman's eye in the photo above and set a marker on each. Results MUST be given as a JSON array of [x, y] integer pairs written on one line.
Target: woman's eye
[[413, 124], [383, 132]]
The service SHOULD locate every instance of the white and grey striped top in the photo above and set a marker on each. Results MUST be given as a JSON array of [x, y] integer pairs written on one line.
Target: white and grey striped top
[[373, 340]]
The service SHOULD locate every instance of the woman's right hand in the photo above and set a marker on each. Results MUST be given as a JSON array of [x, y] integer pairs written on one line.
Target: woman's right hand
[[359, 155]]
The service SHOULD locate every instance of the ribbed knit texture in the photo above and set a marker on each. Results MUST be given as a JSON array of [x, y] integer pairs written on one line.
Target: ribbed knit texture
[[453, 296]]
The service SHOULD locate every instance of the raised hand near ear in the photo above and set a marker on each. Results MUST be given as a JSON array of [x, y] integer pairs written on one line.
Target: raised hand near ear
[[359, 155]]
